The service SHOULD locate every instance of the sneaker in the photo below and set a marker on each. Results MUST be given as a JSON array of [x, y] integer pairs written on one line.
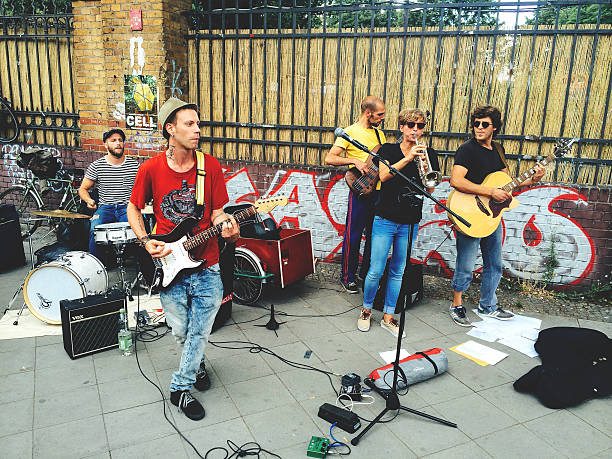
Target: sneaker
[[202, 382], [187, 404], [458, 315], [392, 327], [350, 287], [499, 314], [363, 323]]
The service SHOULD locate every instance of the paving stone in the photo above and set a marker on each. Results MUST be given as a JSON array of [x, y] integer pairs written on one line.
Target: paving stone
[[477, 377], [120, 394], [241, 367], [18, 359], [468, 450], [474, 415], [522, 407], [569, 434], [16, 386], [296, 426], [515, 442], [55, 356], [207, 437], [85, 439], [80, 403], [122, 430], [259, 394], [16, 417], [161, 448], [440, 389], [292, 351], [596, 412], [16, 446], [63, 379]]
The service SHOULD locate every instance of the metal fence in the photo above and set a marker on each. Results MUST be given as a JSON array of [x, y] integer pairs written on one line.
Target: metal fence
[[273, 78], [36, 61]]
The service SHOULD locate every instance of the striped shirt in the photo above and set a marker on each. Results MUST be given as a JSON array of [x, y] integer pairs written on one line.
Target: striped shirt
[[114, 183]]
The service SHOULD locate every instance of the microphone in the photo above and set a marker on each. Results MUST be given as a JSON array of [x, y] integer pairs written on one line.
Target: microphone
[[339, 132]]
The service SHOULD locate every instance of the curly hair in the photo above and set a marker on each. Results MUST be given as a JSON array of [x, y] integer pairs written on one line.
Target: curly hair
[[483, 111], [411, 114]]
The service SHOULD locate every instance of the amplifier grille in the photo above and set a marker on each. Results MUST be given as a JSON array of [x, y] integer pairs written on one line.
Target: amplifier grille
[[95, 333]]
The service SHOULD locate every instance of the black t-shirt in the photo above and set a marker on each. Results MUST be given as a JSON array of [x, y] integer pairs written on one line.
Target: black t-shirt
[[398, 201], [478, 160]]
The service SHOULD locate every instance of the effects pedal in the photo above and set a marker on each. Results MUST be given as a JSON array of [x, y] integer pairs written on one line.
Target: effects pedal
[[318, 447], [351, 386]]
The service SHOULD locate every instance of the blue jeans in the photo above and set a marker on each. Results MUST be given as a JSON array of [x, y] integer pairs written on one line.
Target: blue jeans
[[384, 233], [191, 304], [358, 218], [467, 249], [105, 214]]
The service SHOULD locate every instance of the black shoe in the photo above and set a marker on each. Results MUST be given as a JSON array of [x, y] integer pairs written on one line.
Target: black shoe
[[350, 287], [187, 404], [202, 382]]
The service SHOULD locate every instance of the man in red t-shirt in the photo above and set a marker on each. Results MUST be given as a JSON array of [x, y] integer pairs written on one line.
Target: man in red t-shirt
[[192, 300]]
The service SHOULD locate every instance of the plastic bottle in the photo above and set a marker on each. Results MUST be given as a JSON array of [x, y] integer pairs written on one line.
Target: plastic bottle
[[124, 336]]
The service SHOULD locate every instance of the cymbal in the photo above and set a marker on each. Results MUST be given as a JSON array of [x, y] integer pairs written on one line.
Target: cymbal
[[58, 213]]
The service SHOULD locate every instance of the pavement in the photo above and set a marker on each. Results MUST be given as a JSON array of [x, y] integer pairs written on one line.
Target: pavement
[[100, 406]]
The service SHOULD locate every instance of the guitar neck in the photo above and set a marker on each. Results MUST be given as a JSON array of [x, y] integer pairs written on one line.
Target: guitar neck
[[527, 174], [213, 231]]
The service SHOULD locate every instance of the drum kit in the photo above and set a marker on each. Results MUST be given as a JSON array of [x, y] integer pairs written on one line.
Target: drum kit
[[75, 274]]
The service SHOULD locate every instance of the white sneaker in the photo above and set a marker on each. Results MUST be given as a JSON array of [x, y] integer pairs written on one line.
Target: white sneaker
[[392, 327]]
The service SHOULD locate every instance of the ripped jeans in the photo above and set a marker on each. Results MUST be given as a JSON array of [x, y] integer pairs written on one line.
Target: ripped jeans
[[191, 305]]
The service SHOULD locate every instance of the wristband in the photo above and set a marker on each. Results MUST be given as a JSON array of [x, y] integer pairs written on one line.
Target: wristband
[[143, 240]]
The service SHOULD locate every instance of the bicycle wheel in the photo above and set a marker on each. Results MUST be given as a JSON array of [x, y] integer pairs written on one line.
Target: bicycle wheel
[[9, 128], [248, 277], [24, 203]]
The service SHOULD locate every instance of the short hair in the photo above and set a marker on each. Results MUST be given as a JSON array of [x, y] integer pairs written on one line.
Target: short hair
[[411, 114], [484, 111], [371, 103], [172, 118]]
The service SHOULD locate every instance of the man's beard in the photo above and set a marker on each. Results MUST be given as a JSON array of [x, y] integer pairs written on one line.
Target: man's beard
[[114, 152]]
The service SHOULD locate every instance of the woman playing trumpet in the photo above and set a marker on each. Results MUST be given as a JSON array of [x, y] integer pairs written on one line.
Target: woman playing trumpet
[[397, 212]]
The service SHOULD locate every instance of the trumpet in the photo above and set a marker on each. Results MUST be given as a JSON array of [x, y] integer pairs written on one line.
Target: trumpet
[[430, 178]]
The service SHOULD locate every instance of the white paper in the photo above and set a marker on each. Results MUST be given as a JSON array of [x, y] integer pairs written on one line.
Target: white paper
[[389, 356], [481, 352], [520, 344], [530, 333], [482, 334]]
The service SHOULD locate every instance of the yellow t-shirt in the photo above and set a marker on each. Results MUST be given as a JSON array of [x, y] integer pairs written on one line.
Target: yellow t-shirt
[[365, 136]]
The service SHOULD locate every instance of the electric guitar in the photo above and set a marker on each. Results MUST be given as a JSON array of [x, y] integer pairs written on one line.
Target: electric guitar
[[180, 241], [362, 184], [484, 213]]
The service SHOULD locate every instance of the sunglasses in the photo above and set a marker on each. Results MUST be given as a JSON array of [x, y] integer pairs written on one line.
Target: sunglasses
[[411, 124], [485, 124]]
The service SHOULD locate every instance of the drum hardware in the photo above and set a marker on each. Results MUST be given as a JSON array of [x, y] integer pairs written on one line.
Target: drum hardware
[[28, 221], [118, 235]]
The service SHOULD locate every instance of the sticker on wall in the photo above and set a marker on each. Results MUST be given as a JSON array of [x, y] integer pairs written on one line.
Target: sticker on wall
[[141, 102]]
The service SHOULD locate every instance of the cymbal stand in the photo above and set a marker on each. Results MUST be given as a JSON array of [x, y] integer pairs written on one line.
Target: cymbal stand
[[28, 221], [125, 286]]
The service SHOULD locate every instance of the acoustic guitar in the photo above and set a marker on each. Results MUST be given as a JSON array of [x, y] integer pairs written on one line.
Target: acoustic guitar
[[484, 213]]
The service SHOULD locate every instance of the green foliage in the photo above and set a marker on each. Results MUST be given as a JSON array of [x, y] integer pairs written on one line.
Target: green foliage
[[404, 13], [552, 263], [569, 14]]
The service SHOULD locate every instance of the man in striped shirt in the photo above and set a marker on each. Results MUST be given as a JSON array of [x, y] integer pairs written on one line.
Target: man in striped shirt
[[113, 175]]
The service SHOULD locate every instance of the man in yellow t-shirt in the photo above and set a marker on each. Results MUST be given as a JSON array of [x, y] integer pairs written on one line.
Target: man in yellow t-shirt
[[360, 209]]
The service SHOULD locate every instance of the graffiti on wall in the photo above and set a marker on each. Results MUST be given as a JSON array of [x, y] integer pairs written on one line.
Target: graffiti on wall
[[530, 230], [17, 174]]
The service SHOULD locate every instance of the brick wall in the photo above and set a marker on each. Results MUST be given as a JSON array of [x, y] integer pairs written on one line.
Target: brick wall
[[106, 49]]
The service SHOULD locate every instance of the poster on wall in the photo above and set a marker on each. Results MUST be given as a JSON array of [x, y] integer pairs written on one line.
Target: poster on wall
[[141, 103]]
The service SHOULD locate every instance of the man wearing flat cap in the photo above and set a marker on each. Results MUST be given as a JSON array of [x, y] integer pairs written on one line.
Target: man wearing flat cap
[[113, 175], [183, 188]]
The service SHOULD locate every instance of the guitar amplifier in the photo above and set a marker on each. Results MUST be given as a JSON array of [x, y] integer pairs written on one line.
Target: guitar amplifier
[[91, 324]]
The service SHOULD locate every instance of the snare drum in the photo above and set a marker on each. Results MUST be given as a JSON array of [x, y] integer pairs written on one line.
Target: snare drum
[[73, 275], [114, 233]]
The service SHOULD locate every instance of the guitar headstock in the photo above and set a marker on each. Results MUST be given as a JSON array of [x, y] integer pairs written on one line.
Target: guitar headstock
[[563, 146], [265, 205]]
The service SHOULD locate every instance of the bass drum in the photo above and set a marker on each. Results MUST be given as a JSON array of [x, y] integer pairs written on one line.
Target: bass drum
[[73, 275]]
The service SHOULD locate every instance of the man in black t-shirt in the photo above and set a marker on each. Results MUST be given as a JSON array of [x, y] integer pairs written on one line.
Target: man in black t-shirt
[[474, 160]]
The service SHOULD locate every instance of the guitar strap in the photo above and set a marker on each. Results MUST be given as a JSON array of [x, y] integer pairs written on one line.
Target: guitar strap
[[377, 136], [200, 176], [503, 158]]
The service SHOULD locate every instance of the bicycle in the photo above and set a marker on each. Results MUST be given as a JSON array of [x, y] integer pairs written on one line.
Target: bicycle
[[27, 197], [9, 127]]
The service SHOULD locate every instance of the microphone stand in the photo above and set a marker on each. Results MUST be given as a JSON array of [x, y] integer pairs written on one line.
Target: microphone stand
[[392, 399]]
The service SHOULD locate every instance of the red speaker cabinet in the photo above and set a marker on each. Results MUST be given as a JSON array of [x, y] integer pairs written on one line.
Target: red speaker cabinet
[[290, 259]]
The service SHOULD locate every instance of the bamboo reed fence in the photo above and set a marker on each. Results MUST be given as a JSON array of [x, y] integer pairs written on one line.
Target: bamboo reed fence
[[545, 81]]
